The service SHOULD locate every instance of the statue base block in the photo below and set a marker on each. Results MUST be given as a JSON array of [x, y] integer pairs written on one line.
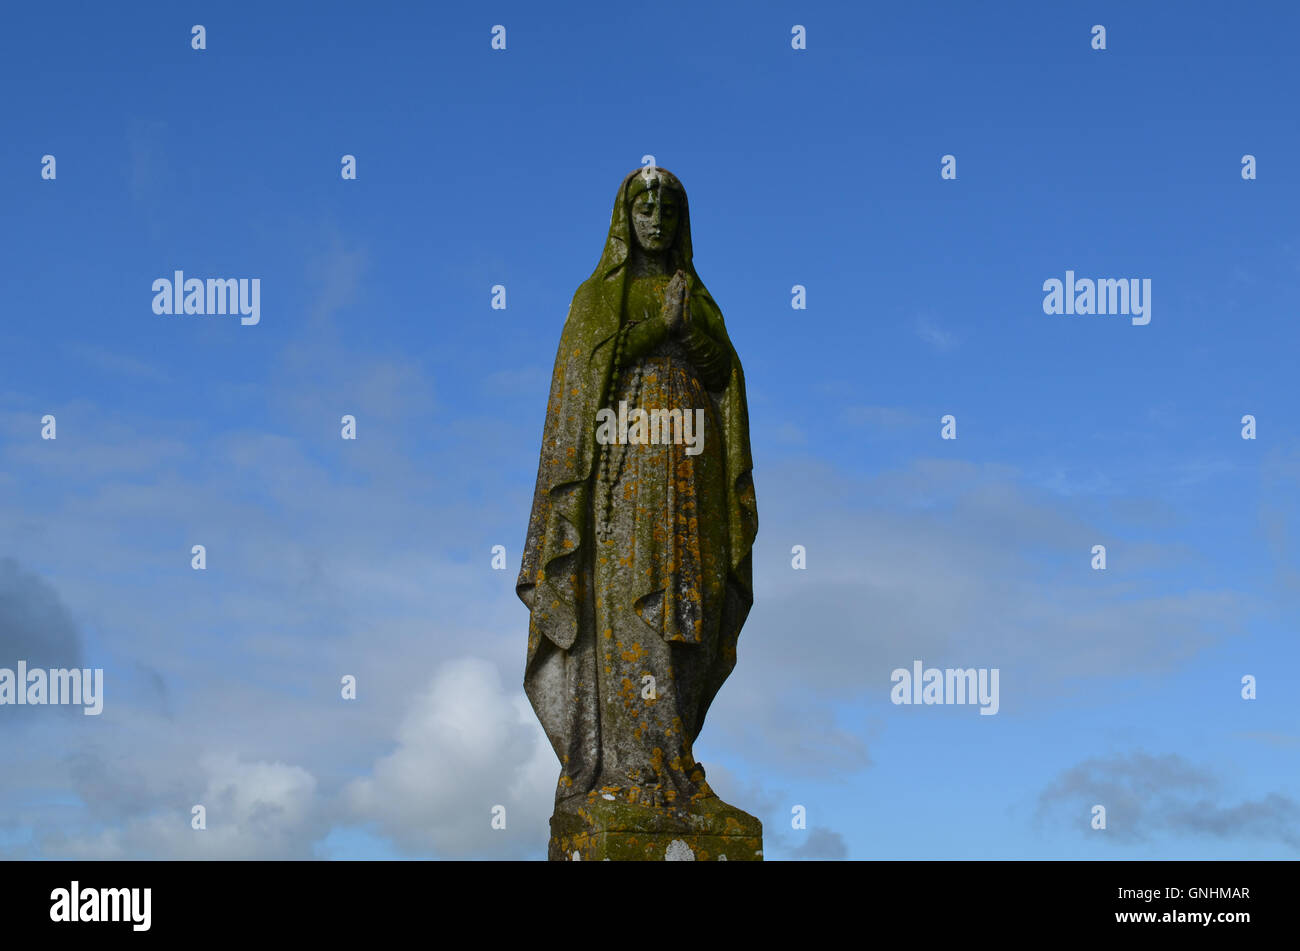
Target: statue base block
[[594, 829]]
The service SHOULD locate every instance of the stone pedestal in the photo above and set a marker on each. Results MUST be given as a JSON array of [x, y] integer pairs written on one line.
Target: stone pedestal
[[595, 828]]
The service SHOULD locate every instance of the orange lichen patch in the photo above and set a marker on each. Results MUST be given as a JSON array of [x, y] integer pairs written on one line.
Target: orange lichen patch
[[634, 653], [627, 690], [609, 632]]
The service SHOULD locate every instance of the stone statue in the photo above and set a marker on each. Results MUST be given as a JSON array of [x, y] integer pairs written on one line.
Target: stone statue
[[636, 569]]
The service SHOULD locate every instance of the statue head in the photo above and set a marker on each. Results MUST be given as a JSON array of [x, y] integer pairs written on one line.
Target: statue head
[[656, 201], [651, 218]]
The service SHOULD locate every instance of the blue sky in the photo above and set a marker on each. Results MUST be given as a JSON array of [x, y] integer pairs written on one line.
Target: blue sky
[[924, 297]]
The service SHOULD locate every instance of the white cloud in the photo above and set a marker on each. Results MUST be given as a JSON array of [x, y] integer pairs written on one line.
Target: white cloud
[[254, 810], [465, 746]]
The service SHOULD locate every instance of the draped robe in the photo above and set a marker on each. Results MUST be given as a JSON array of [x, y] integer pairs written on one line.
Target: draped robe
[[558, 577]]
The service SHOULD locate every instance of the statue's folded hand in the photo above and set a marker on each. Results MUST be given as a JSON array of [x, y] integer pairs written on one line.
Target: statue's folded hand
[[674, 303]]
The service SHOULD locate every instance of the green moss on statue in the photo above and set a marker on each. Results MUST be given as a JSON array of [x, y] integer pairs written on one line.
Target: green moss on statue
[[636, 568]]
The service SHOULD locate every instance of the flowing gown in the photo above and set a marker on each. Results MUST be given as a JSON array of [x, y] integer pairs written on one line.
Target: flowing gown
[[660, 576]]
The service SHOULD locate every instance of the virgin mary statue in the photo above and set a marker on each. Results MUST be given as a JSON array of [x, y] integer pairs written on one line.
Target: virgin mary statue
[[636, 569]]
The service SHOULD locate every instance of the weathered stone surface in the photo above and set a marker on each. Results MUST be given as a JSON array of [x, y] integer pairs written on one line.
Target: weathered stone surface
[[636, 568], [600, 829]]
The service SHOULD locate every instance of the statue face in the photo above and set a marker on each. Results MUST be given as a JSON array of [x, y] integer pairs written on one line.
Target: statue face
[[654, 219]]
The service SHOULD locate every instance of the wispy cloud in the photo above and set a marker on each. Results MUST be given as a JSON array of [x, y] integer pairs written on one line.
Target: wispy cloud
[[940, 339], [1148, 795]]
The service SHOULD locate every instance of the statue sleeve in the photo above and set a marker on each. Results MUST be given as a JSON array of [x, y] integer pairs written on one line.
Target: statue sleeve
[[713, 362], [642, 337]]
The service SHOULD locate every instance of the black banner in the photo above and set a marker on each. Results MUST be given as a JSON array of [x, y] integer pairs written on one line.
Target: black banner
[[1221, 901]]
